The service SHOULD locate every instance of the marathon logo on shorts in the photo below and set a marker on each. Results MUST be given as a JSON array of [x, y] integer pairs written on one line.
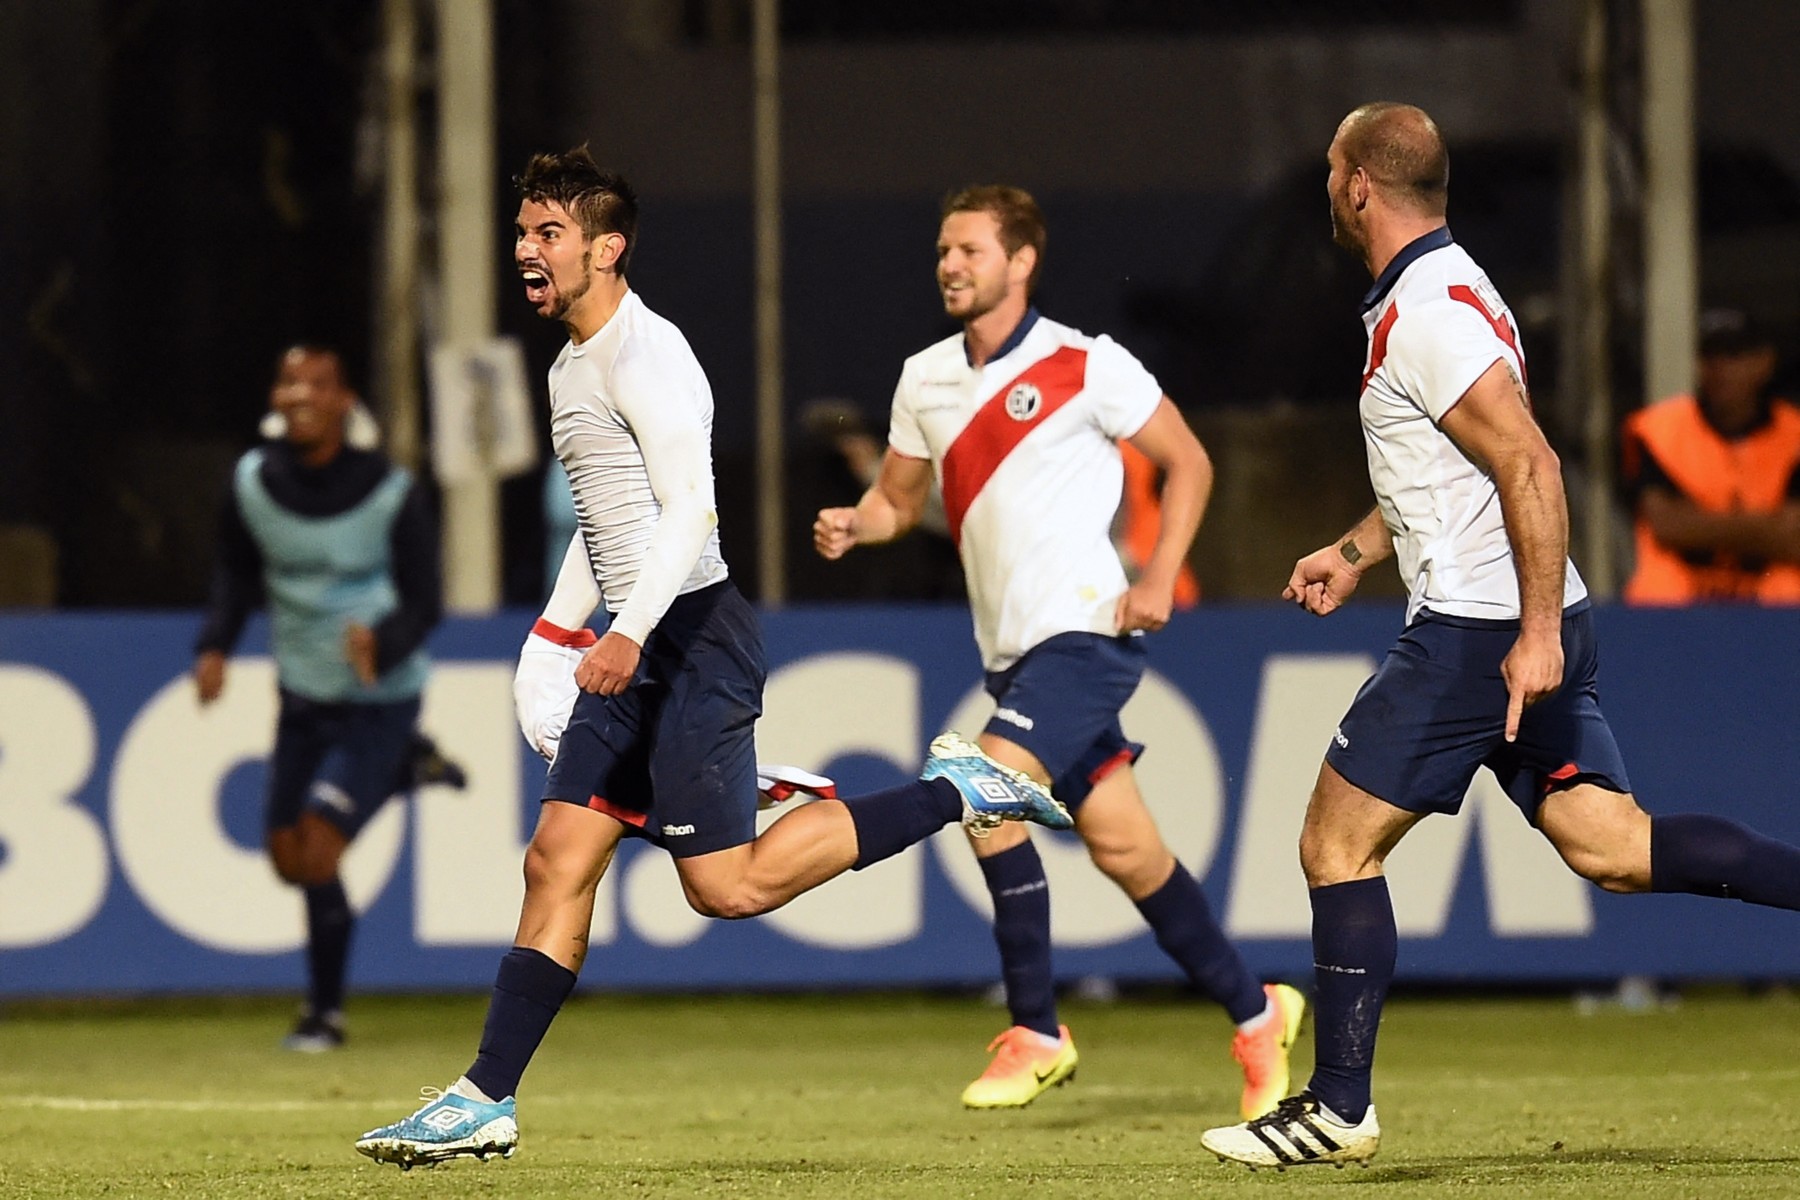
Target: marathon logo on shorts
[[330, 795], [1014, 717], [677, 830], [1023, 402]]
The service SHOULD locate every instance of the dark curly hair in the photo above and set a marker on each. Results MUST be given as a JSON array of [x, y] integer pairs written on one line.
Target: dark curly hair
[[602, 201]]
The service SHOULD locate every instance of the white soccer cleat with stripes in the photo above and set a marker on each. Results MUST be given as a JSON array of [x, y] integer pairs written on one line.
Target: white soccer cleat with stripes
[[1296, 1134]]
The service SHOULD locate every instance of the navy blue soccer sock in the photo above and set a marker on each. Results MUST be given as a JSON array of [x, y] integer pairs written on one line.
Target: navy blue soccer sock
[[888, 822], [329, 924], [1354, 945], [1015, 879], [1188, 933], [1712, 856], [529, 988]]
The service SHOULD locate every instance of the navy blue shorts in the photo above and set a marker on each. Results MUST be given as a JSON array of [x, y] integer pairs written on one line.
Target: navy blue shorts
[[342, 760], [1061, 701], [673, 756], [1436, 710]]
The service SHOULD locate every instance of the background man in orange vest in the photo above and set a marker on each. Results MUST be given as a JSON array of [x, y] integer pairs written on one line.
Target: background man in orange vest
[[1716, 477]]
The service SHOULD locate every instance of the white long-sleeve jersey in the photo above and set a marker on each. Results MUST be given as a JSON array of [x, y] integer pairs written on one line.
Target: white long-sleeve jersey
[[631, 419]]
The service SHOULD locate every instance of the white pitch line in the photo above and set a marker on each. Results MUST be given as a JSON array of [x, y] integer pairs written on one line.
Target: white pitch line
[[814, 1095], [1612, 1079], [97, 1104]]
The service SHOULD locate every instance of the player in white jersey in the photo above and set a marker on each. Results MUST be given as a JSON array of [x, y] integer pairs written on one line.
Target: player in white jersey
[[660, 742], [1019, 418], [1497, 664]]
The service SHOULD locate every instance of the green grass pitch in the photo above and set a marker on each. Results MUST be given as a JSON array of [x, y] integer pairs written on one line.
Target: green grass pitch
[[856, 1096]]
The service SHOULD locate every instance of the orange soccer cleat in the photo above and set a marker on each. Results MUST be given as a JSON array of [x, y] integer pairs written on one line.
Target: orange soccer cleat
[[1263, 1052]]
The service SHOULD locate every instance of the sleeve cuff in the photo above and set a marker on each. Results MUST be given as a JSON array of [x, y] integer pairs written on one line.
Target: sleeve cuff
[[575, 639]]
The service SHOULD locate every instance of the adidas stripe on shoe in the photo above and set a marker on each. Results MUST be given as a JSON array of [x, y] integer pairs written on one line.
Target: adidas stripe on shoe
[[1296, 1134]]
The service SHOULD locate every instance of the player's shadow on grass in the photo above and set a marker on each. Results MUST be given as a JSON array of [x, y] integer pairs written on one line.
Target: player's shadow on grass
[[1549, 1163]]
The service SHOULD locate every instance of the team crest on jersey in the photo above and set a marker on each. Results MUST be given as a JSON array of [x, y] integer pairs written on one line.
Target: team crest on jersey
[[1023, 402]]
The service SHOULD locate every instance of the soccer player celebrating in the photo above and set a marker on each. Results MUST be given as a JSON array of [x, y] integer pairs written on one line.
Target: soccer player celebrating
[[1019, 416], [660, 743], [1496, 666], [343, 547]]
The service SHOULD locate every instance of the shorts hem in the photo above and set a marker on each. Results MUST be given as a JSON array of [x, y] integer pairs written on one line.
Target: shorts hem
[[1423, 809]]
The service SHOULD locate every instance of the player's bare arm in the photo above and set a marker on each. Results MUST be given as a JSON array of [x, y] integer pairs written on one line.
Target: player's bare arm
[[359, 651], [890, 508], [1168, 441], [1324, 579], [209, 675], [1681, 524], [1493, 425]]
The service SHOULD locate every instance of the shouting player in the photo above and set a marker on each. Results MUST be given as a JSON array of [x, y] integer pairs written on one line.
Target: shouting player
[[660, 742]]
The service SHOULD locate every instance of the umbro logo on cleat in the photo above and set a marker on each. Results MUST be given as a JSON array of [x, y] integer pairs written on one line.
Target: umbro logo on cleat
[[992, 788], [445, 1120]]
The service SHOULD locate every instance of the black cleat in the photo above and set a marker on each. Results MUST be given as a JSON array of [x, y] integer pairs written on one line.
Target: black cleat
[[315, 1034], [430, 768]]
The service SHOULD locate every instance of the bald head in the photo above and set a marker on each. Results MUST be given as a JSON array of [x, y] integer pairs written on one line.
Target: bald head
[[1400, 148]]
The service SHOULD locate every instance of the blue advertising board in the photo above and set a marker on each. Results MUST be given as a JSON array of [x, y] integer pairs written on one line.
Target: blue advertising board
[[130, 817]]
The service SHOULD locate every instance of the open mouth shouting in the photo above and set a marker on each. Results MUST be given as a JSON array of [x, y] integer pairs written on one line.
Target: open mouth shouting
[[537, 285]]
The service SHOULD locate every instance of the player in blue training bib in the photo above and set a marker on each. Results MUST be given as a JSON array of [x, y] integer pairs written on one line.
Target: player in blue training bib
[[341, 546]]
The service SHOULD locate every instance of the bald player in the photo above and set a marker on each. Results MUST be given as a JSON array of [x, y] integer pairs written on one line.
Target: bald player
[[1496, 666]]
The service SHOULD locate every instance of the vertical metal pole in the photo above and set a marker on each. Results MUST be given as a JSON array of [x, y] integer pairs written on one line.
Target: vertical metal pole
[[467, 274], [397, 311], [1592, 368], [770, 472], [1671, 250]]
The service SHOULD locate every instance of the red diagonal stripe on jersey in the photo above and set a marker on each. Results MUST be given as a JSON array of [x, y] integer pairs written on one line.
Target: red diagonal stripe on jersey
[[992, 433], [1378, 343], [1502, 327]]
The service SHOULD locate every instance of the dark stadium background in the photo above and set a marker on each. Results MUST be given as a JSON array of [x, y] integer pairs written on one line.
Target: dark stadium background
[[189, 184]]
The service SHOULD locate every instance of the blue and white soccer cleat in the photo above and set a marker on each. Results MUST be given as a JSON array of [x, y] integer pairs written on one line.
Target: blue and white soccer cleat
[[991, 792], [448, 1126]]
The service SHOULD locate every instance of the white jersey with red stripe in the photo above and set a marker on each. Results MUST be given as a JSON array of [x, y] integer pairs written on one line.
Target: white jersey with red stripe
[[1025, 450], [1436, 324]]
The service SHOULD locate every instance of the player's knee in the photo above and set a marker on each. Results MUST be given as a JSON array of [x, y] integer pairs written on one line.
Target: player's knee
[[728, 903], [1319, 858], [287, 854], [1136, 868], [551, 869], [1609, 869], [288, 866]]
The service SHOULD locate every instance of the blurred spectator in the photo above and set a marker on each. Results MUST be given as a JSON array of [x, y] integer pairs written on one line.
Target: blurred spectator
[[342, 547], [559, 519], [840, 425], [1140, 518], [838, 459], [1716, 479]]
